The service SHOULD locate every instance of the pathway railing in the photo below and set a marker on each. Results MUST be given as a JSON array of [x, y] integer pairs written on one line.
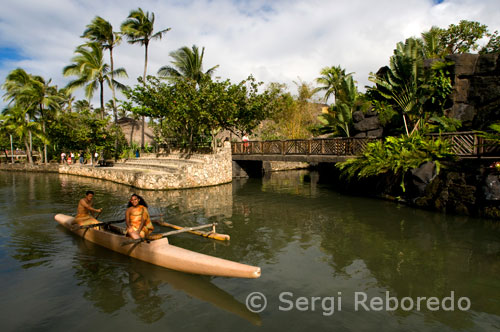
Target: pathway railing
[[464, 144], [341, 146]]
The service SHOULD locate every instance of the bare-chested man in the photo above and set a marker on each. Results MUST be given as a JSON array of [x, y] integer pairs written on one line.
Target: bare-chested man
[[83, 216]]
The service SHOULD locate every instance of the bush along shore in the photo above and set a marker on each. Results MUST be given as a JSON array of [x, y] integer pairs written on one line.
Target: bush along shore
[[466, 187]]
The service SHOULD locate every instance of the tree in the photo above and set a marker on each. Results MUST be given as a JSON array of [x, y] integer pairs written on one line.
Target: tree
[[464, 37], [48, 100], [34, 96], [138, 28], [339, 118], [93, 72], [187, 64], [101, 32], [193, 113], [331, 80], [15, 120]]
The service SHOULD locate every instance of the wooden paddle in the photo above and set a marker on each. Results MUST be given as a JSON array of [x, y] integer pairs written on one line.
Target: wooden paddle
[[104, 223], [101, 224], [163, 235], [211, 235]]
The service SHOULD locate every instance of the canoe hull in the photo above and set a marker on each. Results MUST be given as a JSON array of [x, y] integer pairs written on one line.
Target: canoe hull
[[161, 253]]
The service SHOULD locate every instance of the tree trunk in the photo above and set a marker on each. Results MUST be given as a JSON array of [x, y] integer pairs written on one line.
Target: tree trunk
[[115, 112], [144, 82], [28, 151], [102, 99]]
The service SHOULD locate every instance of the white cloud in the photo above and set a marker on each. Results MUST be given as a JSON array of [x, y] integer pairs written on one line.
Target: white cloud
[[278, 40]]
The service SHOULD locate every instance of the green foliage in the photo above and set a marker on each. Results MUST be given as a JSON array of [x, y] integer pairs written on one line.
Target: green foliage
[[84, 132], [192, 112], [397, 155], [492, 137], [292, 117], [187, 64]]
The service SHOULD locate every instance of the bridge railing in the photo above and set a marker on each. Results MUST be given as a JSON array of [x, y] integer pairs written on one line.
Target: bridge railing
[[340, 146], [464, 144], [470, 144]]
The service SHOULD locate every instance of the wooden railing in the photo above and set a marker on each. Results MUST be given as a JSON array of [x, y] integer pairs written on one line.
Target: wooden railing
[[470, 144], [464, 144], [341, 146]]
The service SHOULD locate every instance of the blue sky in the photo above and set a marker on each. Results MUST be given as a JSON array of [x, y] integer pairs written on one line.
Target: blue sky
[[277, 41]]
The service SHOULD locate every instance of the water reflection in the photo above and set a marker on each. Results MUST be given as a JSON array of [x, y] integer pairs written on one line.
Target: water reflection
[[109, 278], [307, 238]]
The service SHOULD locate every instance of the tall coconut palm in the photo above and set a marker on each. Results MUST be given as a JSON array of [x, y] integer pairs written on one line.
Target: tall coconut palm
[[101, 32], [93, 72], [138, 28], [187, 63], [331, 79], [48, 101]]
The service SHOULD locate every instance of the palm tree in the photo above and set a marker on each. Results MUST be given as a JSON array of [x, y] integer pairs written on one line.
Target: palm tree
[[16, 121], [187, 63], [331, 80], [138, 28], [339, 120], [34, 96], [93, 72], [101, 31], [48, 100]]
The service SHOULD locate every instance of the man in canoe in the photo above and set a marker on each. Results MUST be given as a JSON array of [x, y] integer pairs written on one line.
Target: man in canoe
[[137, 218], [83, 216]]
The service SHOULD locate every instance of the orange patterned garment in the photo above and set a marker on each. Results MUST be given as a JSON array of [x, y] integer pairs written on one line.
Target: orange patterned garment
[[136, 216]]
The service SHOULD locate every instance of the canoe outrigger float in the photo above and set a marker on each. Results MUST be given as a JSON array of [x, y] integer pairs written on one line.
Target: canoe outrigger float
[[160, 252]]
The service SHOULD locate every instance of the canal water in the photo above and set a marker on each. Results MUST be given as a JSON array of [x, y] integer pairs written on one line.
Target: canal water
[[329, 262]]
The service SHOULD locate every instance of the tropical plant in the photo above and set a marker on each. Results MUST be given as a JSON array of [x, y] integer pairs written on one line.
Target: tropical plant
[[331, 80], [187, 64], [35, 96], [15, 120], [138, 28], [101, 31], [339, 120], [396, 156], [401, 83], [92, 72]]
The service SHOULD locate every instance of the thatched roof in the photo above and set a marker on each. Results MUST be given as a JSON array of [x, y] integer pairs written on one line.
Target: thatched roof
[[132, 130]]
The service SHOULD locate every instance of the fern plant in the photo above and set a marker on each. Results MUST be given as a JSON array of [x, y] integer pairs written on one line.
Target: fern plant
[[397, 155]]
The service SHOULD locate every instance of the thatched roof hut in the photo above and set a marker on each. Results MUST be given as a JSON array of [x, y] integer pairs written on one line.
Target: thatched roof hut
[[132, 129]]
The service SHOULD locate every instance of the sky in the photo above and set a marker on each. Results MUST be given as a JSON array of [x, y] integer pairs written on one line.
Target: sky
[[282, 41]]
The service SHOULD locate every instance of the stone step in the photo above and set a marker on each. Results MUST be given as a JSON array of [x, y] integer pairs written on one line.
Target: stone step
[[160, 161], [162, 168]]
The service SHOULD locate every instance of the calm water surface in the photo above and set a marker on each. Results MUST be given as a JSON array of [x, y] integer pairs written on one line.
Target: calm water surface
[[318, 250]]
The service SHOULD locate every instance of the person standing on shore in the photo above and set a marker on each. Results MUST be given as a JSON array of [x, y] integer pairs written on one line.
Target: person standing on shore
[[63, 158]]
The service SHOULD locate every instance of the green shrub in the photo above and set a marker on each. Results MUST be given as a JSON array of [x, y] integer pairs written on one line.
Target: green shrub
[[397, 155]]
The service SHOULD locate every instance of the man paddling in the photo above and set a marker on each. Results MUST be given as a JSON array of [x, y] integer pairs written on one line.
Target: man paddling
[[83, 216]]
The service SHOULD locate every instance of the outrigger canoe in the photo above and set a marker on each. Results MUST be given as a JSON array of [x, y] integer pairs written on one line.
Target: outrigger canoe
[[161, 253]]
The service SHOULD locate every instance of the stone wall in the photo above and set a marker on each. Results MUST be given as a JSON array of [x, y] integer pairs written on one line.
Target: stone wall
[[367, 124], [467, 187], [274, 166], [476, 90], [213, 169]]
